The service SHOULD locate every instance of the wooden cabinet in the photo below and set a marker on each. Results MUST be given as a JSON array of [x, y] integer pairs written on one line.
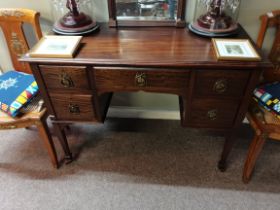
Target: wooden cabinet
[[71, 95], [212, 94], [214, 101]]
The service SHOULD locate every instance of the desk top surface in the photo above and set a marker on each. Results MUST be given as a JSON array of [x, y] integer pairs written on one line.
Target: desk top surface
[[161, 46]]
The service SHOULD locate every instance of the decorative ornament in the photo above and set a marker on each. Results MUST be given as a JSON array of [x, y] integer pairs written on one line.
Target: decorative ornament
[[215, 22], [8, 83], [75, 22]]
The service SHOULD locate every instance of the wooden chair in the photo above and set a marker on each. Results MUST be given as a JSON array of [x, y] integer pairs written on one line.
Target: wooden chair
[[265, 124], [11, 23]]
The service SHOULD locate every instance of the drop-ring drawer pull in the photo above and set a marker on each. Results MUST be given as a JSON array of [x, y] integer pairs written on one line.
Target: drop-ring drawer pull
[[74, 108], [212, 114], [66, 80], [140, 79], [220, 86]]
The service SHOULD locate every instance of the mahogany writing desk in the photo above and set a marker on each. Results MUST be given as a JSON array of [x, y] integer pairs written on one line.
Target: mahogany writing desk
[[212, 94]]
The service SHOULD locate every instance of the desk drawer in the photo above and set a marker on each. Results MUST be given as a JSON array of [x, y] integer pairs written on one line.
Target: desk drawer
[[212, 113], [65, 77], [73, 107], [166, 81], [220, 83]]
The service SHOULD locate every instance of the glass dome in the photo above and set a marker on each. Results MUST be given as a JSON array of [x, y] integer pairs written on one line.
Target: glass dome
[[73, 17], [216, 17]]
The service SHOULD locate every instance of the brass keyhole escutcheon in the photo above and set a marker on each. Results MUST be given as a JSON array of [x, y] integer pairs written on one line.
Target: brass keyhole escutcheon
[[74, 108], [66, 80], [220, 86], [140, 79], [212, 114]]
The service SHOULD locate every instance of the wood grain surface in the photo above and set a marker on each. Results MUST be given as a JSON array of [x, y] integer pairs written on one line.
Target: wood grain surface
[[213, 94]]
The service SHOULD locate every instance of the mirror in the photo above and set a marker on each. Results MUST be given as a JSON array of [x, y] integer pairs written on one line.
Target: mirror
[[147, 13]]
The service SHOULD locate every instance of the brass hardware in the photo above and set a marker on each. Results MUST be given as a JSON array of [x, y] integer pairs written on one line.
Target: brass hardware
[[8, 126], [277, 67], [140, 79], [66, 80], [212, 114], [220, 86], [74, 109]]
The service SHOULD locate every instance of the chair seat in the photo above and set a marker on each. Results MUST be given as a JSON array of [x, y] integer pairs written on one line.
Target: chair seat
[[268, 96], [4, 118], [263, 120], [264, 116], [270, 118], [32, 112]]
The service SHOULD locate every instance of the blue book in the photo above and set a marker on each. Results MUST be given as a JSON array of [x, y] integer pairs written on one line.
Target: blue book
[[16, 90]]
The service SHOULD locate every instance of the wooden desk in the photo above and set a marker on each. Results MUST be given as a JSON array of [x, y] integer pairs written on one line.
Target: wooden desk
[[212, 94]]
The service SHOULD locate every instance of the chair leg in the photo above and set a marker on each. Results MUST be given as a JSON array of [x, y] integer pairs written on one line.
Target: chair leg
[[253, 154], [45, 134]]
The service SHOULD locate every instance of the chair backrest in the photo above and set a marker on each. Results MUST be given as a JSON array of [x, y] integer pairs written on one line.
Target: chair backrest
[[271, 19], [11, 23]]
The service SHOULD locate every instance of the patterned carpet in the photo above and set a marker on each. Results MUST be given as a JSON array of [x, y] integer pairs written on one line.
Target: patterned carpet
[[135, 164]]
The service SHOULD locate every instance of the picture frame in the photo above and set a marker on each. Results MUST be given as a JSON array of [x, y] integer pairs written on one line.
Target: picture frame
[[235, 49], [53, 46]]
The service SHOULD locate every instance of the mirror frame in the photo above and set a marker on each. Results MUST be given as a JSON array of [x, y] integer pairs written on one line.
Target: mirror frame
[[178, 22]]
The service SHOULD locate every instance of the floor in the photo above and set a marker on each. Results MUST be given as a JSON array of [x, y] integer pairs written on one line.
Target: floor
[[135, 164]]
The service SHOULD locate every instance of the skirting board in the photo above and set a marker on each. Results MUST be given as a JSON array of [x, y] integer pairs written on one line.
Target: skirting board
[[135, 112]]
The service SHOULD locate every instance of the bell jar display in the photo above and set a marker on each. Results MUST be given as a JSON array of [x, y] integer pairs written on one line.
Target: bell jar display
[[216, 18], [73, 17]]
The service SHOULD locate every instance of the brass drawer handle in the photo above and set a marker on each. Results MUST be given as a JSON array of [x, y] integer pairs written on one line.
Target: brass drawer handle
[[140, 79], [212, 114], [220, 86], [66, 80], [74, 108]]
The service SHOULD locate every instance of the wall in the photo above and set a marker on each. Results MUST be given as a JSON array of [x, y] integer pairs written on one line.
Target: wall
[[248, 17]]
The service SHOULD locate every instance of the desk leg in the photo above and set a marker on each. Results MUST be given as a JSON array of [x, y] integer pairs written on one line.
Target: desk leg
[[59, 131], [229, 142]]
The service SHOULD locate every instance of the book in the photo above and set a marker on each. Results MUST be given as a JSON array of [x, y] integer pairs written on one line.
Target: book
[[54, 46], [16, 90]]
